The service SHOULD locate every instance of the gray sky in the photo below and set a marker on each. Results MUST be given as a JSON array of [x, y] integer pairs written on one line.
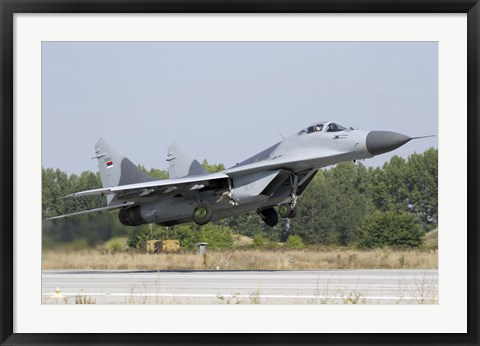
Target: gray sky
[[225, 101]]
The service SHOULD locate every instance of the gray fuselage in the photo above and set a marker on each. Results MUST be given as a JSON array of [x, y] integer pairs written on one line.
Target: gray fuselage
[[300, 156]]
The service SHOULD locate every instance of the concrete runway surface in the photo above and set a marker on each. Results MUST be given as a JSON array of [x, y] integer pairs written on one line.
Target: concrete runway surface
[[240, 287]]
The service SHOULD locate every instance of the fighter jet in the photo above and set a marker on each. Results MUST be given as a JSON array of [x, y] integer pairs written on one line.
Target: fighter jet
[[269, 182]]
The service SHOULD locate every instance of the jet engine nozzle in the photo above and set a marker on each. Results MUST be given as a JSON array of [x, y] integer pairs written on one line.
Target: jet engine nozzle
[[380, 142], [131, 216]]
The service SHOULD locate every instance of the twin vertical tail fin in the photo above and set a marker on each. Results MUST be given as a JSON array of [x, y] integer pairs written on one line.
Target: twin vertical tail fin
[[181, 163], [115, 169]]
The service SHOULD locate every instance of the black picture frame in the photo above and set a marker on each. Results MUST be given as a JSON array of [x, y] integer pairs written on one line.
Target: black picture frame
[[9, 7]]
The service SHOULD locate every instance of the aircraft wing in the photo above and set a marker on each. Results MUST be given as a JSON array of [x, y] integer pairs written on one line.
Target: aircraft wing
[[165, 186]]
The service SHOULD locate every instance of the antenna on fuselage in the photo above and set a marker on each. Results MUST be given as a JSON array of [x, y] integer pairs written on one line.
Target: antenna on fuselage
[[283, 137]]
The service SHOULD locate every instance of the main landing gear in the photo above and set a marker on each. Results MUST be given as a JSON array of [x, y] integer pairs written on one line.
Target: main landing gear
[[270, 215], [202, 214]]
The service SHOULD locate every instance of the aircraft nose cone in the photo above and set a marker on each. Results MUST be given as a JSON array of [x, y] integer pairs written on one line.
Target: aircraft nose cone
[[379, 142]]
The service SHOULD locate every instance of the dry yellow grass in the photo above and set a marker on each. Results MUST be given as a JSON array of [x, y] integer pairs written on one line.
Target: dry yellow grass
[[245, 259], [431, 239], [241, 240]]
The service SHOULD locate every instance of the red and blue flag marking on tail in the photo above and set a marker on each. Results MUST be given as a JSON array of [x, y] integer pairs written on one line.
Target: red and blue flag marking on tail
[[109, 164]]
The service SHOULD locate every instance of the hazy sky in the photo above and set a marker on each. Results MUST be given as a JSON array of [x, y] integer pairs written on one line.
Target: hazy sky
[[225, 101]]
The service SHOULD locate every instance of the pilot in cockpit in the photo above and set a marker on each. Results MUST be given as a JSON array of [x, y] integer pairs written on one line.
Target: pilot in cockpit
[[318, 127]]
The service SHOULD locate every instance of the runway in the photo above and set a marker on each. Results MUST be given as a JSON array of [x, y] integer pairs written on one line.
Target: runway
[[240, 287]]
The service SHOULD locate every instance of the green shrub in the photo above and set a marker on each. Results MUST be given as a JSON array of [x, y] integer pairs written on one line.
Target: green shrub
[[115, 245], [217, 236], [294, 242], [79, 244], [258, 240], [431, 240], [391, 229]]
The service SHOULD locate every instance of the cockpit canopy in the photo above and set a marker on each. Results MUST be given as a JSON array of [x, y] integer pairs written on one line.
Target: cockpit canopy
[[323, 126]]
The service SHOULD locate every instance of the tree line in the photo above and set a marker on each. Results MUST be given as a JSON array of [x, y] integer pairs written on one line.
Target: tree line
[[346, 205]]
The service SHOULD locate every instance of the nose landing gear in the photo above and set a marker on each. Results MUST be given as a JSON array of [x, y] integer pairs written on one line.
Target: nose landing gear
[[287, 210]]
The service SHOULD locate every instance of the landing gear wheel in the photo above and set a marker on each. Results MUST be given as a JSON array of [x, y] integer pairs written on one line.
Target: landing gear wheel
[[269, 216], [202, 214], [284, 210]]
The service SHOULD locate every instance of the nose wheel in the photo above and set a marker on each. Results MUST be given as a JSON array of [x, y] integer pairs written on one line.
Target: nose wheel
[[287, 210]]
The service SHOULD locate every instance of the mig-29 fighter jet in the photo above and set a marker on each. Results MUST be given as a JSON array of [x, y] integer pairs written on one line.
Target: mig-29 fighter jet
[[272, 179]]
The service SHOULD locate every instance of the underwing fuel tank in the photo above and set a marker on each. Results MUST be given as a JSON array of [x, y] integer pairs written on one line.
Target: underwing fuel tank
[[157, 212]]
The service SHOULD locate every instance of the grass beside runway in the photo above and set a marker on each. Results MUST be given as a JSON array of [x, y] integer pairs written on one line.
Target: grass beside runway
[[325, 258]]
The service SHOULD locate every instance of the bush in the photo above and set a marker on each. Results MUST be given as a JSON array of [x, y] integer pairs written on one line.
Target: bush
[[431, 240], [391, 229], [79, 244], [217, 236], [115, 245], [294, 242], [258, 240]]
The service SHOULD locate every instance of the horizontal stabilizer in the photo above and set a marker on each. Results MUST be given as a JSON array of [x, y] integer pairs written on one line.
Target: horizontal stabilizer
[[110, 207]]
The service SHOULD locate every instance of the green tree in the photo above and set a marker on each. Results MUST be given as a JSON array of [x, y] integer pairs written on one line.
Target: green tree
[[91, 228], [408, 186], [389, 189], [214, 167], [154, 172], [331, 209], [422, 184], [391, 229]]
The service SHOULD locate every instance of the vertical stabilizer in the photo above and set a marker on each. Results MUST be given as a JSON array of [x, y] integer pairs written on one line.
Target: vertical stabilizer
[[181, 163], [115, 169]]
